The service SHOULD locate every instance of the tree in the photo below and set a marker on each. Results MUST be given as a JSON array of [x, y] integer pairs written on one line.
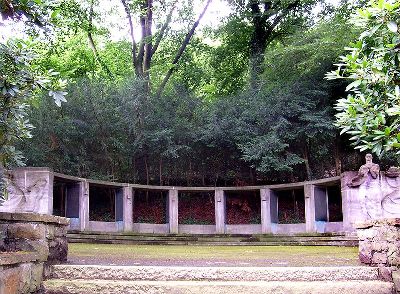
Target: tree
[[269, 19], [142, 53], [20, 82], [371, 111]]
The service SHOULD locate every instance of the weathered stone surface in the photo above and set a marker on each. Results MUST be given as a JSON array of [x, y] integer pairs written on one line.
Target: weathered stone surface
[[60, 231], [29, 191], [379, 244], [385, 273], [36, 277], [367, 234], [217, 287], [174, 273], [379, 258], [31, 231], [36, 240], [10, 280], [10, 258], [396, 280], [58, 250], [33, 217]]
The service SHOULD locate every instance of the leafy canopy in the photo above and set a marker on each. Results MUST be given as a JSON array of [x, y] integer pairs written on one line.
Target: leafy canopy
[[371, 111]]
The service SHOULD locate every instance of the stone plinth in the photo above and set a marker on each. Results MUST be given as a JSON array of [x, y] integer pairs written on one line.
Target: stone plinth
[[28, 243], [44, 235], [379, 242]]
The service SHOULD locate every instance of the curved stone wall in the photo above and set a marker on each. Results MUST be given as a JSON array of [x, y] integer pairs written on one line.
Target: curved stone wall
[[35, 185]]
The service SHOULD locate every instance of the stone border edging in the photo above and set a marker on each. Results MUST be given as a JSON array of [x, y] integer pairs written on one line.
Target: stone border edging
[[34, 217], [11, 258]]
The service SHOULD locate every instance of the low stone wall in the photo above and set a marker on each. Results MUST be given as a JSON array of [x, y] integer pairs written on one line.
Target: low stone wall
[[20, 272], [29, 243], [379, 246], [379, 242]]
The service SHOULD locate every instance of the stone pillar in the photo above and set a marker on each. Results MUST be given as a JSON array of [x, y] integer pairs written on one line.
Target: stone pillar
[[128, 209], [265, 195], [351, 206], [173, 211], [309, 202], [84, 205], [220, 211]]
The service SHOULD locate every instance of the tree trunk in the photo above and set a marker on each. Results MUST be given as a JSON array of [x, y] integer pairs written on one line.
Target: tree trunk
[[160, 166], [307, 163], [181, 50], [264, 25], [146, 166], [2, 184], [338, 161]]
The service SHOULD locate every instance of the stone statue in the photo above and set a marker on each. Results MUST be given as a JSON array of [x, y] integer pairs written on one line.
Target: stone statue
[[24, 199], [369, 168], [369, 189]]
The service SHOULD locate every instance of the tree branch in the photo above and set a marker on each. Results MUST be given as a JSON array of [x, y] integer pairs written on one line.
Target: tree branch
[[148, 48], [134, 45], [140, 55], [278, 18], [93, 45], [163, 29], [181, 50]]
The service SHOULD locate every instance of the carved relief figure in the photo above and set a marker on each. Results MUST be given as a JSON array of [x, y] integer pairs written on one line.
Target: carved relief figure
[[369, 193], [23, 199], [391, 191], [368, 168]]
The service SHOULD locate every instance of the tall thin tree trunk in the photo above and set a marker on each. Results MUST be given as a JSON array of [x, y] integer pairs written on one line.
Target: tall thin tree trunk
[[2, 184], [338, 161], [160, 167], [307, 162], [146, 165], [181, 50]]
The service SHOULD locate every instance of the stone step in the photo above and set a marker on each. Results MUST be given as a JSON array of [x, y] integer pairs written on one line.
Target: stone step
[[176, 273], [216, 287], [264, 240]]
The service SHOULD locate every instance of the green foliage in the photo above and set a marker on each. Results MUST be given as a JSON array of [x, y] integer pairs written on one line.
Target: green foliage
[[20, 82], [371, 112]]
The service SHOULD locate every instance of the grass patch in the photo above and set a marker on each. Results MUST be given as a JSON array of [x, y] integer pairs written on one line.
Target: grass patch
[[284, 255]]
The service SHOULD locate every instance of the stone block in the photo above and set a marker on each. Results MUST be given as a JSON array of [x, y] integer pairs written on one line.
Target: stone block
[[40, 247], [50, 232], [380, 246], [58, 250], [36, 276], [31, 231], [385, 273], [379, 258], [391, 234], [25, 281], [365, 234], [393, 248], [365, 257], [10, 281], [60, 231], [396, 280]]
